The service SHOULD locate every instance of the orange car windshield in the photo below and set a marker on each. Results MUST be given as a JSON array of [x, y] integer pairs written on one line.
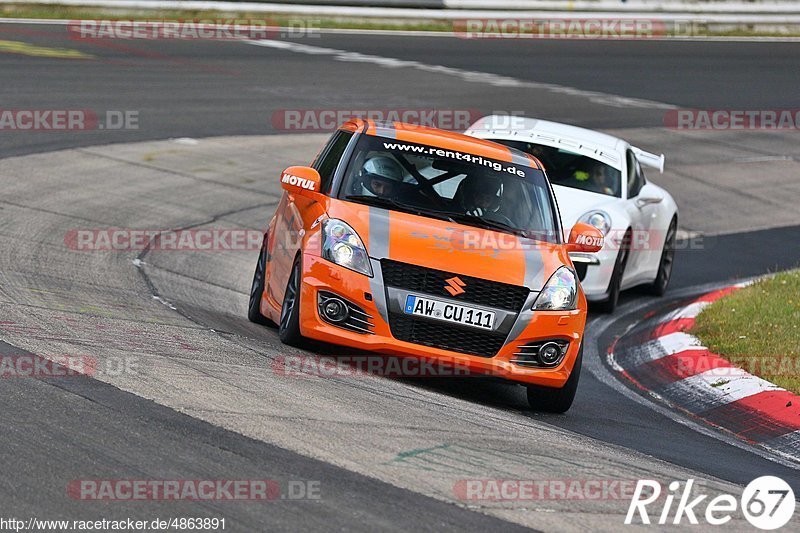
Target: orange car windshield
[[451, 185]]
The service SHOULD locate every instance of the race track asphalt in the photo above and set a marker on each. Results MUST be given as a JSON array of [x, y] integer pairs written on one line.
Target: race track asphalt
[[65, 429]]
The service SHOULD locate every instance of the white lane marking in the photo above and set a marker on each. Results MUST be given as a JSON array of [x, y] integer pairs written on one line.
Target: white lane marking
[[655, 350], [715, 388], [788, 443], [763, 159], [470, 76], [732, 383], [679, 341], [612, 362], [164, 302], [690, 311]]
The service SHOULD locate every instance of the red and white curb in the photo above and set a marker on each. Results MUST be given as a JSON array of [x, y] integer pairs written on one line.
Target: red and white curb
[[661, 358]]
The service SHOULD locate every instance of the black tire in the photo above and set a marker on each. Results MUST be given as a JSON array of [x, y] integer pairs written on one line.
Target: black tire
[[289, 327], [659, 286], [610, 304], [257, 289], [552, 400]]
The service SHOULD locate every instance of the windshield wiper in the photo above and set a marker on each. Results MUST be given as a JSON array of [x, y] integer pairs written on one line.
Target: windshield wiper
[[389, 202], [450, 216], [474, 220], [386, 202]]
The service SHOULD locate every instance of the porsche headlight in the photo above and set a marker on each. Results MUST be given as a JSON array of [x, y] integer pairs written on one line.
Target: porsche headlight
[[560, 293], [342, 245], [599, 220]]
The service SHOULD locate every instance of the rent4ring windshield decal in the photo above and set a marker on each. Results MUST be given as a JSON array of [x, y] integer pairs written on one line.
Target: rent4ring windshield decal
[[459, 156]]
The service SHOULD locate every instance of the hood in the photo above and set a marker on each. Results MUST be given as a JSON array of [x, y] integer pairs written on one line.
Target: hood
[[457, 248], [574, 203]]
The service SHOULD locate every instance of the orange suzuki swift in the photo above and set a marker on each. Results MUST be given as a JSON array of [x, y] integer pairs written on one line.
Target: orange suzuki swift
[[423, 243]]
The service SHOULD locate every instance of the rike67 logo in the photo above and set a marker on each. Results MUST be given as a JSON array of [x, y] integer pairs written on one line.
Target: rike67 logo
[[767, 503]]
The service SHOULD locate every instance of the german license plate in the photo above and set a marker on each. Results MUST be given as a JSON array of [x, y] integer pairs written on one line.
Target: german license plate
[[449, 312]]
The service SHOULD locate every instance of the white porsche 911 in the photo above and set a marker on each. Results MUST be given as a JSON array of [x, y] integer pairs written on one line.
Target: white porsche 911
[[599, 179]]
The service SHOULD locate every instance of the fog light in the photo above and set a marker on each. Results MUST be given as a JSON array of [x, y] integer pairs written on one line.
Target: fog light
[[335, 310], [549, 353]]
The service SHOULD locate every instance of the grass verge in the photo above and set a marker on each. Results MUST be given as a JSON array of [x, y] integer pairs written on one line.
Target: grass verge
[[758, 329]]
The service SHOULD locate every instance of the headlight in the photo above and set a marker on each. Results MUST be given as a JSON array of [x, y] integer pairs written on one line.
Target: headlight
[[599, 220], [342, 245], [560, 293]]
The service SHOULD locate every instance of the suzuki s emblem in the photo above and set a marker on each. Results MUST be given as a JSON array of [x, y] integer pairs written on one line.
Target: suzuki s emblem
[[455, 286]]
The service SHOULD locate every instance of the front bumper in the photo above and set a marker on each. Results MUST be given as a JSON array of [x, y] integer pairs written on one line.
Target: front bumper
[[370, 294]]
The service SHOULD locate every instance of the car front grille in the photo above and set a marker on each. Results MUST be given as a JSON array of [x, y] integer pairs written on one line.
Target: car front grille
[[445, 336], [439, 334], [476, 290]]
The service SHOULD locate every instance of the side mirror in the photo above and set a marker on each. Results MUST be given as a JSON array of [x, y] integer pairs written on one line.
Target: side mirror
[[642, 201], [648, 195], [301, 180], [584, 238]]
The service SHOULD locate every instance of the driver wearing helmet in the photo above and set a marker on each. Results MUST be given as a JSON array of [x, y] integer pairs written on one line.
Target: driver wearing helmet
[[598, 178], [381, 176], [481, 196]]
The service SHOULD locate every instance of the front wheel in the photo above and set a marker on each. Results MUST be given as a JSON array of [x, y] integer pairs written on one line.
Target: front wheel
[[257, 289], [289, 327], [659, 286], [553, 400]]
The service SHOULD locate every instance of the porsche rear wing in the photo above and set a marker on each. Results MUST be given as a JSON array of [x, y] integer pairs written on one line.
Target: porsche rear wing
[[648, 159]]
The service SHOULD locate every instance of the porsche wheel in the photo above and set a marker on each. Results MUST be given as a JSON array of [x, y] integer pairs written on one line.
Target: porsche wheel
[[610, 304], [659, 286]]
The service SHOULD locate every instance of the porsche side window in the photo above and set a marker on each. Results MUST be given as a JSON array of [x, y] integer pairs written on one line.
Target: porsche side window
[[635, 176], [569, 169], [329, 157]]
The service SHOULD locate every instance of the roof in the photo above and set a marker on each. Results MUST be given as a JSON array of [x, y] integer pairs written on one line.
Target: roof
[[579, 140], [516, 125]]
